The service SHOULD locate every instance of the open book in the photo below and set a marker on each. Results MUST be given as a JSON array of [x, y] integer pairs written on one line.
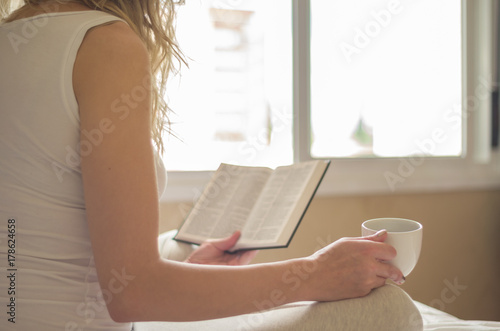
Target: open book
[[266, 205]]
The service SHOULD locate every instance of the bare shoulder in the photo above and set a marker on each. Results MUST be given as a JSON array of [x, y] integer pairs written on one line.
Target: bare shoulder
[[111, 55], [115, 31], [114, 38]]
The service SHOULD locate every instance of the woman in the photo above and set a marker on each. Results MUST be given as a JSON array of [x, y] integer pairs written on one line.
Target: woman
[[79, 184]]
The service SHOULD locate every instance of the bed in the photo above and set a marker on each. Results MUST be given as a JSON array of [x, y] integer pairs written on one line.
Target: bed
[[436, 320], [433, 320]]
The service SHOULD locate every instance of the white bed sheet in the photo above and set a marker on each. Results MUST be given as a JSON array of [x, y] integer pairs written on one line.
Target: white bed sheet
[[436, 320]]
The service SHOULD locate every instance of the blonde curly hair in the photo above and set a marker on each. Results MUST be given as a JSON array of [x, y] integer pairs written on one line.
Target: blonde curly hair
[[153, 21]]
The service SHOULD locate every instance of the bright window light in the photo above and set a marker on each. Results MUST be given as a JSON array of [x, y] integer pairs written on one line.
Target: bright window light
[[386, 78], [234, 102]]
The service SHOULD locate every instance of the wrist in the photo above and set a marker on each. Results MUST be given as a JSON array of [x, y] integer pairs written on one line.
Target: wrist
[[298, 278]]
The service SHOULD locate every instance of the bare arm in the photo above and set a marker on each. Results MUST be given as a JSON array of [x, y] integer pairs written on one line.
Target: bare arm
[[111, 81]]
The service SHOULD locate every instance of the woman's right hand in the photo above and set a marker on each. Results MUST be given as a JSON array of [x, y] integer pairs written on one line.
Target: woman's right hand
[[349, 268]]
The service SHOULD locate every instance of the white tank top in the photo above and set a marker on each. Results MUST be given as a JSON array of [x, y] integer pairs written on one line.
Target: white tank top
[[52, 282]]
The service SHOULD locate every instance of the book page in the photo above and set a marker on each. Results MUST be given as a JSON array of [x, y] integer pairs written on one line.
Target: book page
[[276, 203], [225, 203]]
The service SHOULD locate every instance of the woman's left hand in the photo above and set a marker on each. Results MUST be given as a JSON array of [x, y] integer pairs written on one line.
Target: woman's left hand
[[215, 252]]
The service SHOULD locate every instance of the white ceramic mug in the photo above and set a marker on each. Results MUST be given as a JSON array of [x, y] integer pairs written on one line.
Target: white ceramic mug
[[403, 234]]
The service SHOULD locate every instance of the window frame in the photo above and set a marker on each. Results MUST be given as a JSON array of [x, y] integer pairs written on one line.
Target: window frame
[[478, 168]]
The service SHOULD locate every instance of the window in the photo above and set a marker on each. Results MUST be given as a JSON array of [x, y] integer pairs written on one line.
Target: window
[[397, 93], [234, 103], [385, 76]]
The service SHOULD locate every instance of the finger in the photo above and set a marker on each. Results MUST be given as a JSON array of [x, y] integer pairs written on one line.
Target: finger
[[389, 271], [379, 236], [226, 243], [383, 252]]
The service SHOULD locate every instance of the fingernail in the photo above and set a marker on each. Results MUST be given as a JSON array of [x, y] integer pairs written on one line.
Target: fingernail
[[381, 233], [402, 281]]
